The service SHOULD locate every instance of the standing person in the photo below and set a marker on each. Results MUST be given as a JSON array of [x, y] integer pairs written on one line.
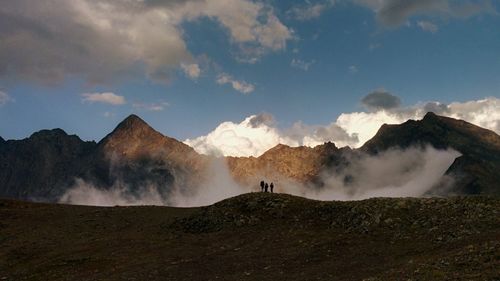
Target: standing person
[[266, 187], [272, 187], [261, 186]]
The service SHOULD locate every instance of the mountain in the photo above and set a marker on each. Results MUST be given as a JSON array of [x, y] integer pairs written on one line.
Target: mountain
[[476, 171], [139, 156], [285, 164], [41, 166], [134, 157]]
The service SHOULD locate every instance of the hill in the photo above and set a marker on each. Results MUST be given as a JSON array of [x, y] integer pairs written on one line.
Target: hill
[[256, 236]]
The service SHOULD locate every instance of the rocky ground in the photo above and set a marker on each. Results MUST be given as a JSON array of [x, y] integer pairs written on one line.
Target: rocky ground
[[255, 236]]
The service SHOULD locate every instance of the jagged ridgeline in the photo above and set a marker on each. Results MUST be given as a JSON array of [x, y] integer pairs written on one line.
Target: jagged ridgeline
[[135, 156]]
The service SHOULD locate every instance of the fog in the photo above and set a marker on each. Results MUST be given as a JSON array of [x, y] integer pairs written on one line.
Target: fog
[[219, 186], [84, 193], [412, 172]]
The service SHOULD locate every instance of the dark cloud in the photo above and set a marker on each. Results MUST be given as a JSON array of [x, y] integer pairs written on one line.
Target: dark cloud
[[436, 107], [381, 99], [312, 135], [263, 118], [396, 12]]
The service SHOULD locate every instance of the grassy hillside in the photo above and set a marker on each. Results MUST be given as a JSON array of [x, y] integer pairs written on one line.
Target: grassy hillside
[[254, 237]]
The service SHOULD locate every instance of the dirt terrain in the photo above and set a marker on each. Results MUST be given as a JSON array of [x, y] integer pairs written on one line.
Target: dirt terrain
[[256, 236]]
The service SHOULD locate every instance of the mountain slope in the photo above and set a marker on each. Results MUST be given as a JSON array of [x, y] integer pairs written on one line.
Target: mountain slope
[[42, 166], [476, 171], [282, 163], [140, 157]]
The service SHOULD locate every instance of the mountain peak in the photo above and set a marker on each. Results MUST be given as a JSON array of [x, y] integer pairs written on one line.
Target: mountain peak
[[430, 115], [133, 125], [54, 133], [132, 121], [131, 129]]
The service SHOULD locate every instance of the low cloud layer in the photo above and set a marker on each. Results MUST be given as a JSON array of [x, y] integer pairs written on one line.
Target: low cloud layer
[[219, 186], [412, 172], [249, 138]]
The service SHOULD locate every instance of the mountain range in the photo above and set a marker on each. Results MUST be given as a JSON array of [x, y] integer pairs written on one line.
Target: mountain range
[[45, 165]]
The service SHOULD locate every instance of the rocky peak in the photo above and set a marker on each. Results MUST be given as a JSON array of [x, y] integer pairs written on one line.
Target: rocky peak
[[48, 134], [132, 126], [133, 138]]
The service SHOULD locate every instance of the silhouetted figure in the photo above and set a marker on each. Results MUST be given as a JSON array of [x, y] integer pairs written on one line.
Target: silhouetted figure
[[266, 187], [261, 186], [272, 187]]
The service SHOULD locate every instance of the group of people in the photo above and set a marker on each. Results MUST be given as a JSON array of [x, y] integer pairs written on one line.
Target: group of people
[[264, 187]]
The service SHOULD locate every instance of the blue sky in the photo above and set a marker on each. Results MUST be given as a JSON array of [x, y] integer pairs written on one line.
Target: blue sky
[[295, 64]]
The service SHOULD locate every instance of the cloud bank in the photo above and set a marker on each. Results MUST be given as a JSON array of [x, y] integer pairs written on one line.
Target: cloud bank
[[251, 138]]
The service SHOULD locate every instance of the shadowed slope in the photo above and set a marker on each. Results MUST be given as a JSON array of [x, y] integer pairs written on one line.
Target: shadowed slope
[[42, 166]]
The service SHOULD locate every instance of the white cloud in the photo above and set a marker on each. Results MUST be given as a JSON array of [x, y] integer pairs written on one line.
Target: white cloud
[[109, 98], [193, 70], [5, 98], [300, 64], [109, 114], [48, 40], [374, 46], [239, 139], [240, 86], [428, 26], [353, 69], [251, 138], [310, 10], [155, 106]]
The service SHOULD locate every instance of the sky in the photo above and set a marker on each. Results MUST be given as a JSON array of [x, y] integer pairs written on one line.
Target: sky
[[236, 77]]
